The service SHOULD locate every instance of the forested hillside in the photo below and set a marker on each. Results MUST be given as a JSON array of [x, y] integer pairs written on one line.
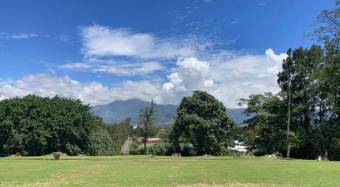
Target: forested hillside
[[165, 114]]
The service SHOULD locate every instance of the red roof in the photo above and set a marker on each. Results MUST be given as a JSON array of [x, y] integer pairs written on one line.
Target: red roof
[[149, 140]]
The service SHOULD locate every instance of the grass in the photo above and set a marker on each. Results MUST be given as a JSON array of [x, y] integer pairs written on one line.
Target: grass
[[166, 171]]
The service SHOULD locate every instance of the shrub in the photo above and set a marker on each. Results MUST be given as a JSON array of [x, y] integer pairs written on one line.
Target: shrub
[[101, 143], [72, 150], [259, 152], [161, 149], [336, 150], [135, 148], [56, 155]]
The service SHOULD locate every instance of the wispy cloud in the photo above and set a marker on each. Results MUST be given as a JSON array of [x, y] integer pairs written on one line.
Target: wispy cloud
[[4, 35], [262, 4], [101, 41], [142, 53], [234, 21], [119, 68], [63, 38]]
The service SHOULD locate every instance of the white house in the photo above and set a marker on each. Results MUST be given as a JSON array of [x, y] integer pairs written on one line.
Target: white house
[[239, 147]]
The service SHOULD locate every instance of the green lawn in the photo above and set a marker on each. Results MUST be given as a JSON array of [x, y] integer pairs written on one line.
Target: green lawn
[[166, 171]]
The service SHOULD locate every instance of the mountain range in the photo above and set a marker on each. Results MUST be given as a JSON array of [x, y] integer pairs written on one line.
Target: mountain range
[[119, 110]]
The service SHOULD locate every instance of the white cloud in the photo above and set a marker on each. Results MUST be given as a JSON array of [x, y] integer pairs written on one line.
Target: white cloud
[[4, 35], [123, 53], [226, 75], [190, 74], [123, 68], [93, 93], [129, 69], [101, 41], [79, 66]]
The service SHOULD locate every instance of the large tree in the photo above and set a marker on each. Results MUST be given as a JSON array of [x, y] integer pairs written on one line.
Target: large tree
[[266, 125], [203, 122], [146, 120], [35, 125]]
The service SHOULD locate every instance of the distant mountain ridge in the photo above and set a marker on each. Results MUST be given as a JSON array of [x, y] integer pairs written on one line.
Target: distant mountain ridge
[[119, 110]]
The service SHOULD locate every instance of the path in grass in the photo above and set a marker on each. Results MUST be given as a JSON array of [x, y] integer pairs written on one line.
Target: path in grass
[[165, 171]]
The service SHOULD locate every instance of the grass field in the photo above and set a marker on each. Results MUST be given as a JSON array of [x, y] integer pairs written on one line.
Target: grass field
[[166, 171]]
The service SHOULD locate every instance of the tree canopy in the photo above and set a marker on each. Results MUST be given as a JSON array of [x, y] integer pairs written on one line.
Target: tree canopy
[[35, 125], [203, 122]]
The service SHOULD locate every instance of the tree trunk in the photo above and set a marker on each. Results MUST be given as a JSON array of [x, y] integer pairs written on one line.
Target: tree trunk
[[288, 122], [145, 152], [324, 149], [145, 141]]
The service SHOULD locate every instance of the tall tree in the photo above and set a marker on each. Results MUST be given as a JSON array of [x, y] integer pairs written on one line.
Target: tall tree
[[296, 85], [267, 123], [202, 121], [328, 26], [146, 121]]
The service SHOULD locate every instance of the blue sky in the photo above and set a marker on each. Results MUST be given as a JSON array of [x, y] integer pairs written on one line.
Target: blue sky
[[99, 51]]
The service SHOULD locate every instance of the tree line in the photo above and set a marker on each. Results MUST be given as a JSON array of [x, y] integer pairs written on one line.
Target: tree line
[[303, 119], [34, 126]]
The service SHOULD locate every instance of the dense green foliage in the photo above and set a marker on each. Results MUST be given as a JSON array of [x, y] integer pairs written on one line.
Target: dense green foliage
[[266, 130], [119, 133], [303, 120], [203, 122], [311, 77], [36, 126]]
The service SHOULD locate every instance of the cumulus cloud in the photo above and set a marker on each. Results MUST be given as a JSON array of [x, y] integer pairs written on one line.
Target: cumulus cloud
[[187, 64], [93, 93], [228, 76], [190, 74], [244, 75]]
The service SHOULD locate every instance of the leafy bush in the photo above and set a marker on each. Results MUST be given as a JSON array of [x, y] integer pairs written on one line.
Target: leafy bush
[[336, 150], [161, 149], [72, 150], [135, 148], [101, 143], [259, 152]]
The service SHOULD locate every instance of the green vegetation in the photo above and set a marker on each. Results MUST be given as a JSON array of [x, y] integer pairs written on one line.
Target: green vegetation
[[36, 126], [202, 121], [165, 171], [303, 119], [146, 123], [165, 114]]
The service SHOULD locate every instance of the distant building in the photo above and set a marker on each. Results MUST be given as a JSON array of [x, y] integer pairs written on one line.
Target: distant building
[[239, 147], [149, 140], [243, 125]]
